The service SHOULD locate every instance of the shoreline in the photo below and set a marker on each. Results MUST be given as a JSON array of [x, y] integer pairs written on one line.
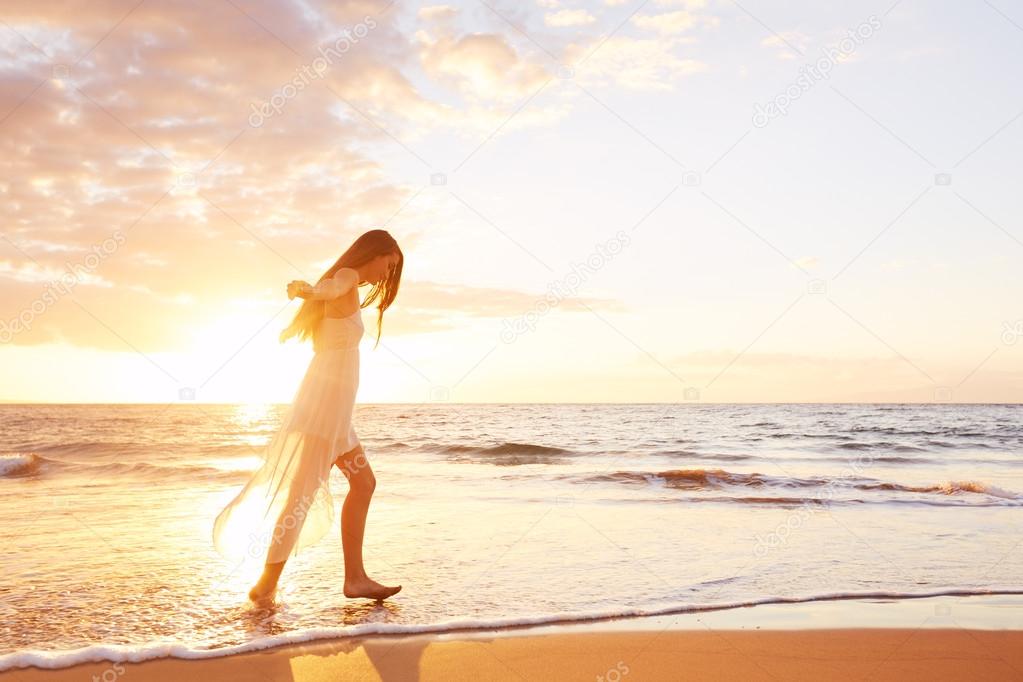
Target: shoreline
[[933, 635], [881, 655]]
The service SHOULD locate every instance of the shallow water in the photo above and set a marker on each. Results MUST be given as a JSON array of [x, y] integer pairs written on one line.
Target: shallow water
[[499, 514]]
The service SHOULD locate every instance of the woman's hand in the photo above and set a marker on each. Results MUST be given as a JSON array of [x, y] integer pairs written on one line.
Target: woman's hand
[[298, 288], [327, 289]]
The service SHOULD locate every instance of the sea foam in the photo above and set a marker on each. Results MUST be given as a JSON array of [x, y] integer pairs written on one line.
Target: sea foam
[[115, 653]]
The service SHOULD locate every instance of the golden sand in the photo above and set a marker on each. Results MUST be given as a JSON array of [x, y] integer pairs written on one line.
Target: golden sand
[[881, 654]]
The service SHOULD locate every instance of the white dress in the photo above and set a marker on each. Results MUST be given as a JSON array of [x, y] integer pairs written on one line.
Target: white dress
[[287, 504]]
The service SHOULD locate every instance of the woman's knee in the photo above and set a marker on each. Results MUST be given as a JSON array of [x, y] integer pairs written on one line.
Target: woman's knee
[[351, 461], [356, 469], [364, 482]]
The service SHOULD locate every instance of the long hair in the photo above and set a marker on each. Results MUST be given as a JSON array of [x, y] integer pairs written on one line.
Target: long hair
[[368, 246]]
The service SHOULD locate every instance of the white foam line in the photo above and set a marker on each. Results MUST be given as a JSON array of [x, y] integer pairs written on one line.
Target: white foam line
[[14, 464], [118, 653]]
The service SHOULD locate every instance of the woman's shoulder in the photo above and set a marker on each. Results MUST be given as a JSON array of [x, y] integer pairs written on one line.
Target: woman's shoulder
[[347, 277]]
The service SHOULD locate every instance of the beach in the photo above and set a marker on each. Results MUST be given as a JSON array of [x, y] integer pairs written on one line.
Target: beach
[[795, 517], [756, 643]]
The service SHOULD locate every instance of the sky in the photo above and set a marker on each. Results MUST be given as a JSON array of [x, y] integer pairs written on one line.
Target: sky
[[620, 201]]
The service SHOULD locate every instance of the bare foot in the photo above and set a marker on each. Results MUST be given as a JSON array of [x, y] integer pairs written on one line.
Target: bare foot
[[261, 596], [370, 589]]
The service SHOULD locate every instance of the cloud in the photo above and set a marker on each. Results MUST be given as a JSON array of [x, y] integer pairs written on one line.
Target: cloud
[[114, 125], [667, 23], [35, 273], [635, 64], [433, 306], [687, 4], [807, 262], [483, 79], [783, 43], [568, 17], [480, 66], [140, 122], [646, 62], [437, 12]]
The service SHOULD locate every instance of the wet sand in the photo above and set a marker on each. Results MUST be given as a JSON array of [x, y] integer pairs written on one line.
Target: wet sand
[[943, 638], [882, 654]]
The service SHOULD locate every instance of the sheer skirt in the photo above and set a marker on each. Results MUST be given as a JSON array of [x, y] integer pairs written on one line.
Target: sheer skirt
[[286, 504]]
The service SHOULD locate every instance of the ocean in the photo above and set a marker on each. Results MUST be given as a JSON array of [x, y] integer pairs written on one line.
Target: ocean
[[497, 515]]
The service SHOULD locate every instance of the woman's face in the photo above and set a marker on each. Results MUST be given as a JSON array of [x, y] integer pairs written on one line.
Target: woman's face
[[382, 266]]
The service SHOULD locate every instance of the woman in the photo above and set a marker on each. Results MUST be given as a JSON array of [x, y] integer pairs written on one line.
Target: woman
[[287, 505]]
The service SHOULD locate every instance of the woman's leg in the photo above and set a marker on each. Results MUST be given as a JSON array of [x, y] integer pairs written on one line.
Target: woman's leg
[[283, 533], [267, 585], [362, 483], [289, 523]]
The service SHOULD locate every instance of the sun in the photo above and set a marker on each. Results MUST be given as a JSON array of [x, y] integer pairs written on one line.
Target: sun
[[238, 358]]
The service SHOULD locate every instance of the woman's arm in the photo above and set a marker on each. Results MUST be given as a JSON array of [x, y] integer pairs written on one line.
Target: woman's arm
[[334, 287]]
